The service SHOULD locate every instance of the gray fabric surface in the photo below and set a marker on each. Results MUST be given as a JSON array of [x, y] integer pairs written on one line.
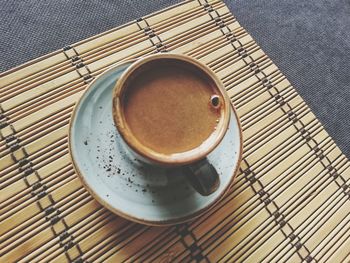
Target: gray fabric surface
[[308, 40]]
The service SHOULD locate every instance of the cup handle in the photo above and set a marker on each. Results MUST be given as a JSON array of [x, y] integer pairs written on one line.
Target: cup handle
[[203, 177]]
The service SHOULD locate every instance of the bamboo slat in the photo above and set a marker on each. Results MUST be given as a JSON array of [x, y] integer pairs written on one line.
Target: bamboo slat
[[289, 201]]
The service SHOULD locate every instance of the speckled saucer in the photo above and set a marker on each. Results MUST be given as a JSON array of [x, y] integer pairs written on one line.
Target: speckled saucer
[[139, 192]]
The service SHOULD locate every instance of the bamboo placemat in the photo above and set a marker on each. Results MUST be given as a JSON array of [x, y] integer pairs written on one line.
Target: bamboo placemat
[[290, 201]]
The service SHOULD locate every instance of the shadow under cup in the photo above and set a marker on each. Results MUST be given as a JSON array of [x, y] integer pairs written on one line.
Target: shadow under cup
[[172, 110]]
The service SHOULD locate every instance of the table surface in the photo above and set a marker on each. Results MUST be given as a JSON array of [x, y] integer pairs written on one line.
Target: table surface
[[309, 41]]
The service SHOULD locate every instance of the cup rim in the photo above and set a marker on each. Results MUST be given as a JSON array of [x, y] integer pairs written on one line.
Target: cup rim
[[135, 145]]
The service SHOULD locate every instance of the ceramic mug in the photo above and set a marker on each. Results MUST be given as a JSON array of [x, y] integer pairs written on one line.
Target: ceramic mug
[[200, 172]]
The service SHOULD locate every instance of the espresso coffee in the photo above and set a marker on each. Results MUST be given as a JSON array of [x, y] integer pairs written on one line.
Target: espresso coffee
[[170, 109]]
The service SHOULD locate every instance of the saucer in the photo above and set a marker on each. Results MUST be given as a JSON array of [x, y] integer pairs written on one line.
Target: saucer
[[136, 191]]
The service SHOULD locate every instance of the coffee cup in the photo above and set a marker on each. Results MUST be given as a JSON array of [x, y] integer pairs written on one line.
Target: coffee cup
[[172, 111]]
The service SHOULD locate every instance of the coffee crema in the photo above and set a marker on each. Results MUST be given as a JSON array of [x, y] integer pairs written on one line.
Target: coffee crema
[[168, 108]]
